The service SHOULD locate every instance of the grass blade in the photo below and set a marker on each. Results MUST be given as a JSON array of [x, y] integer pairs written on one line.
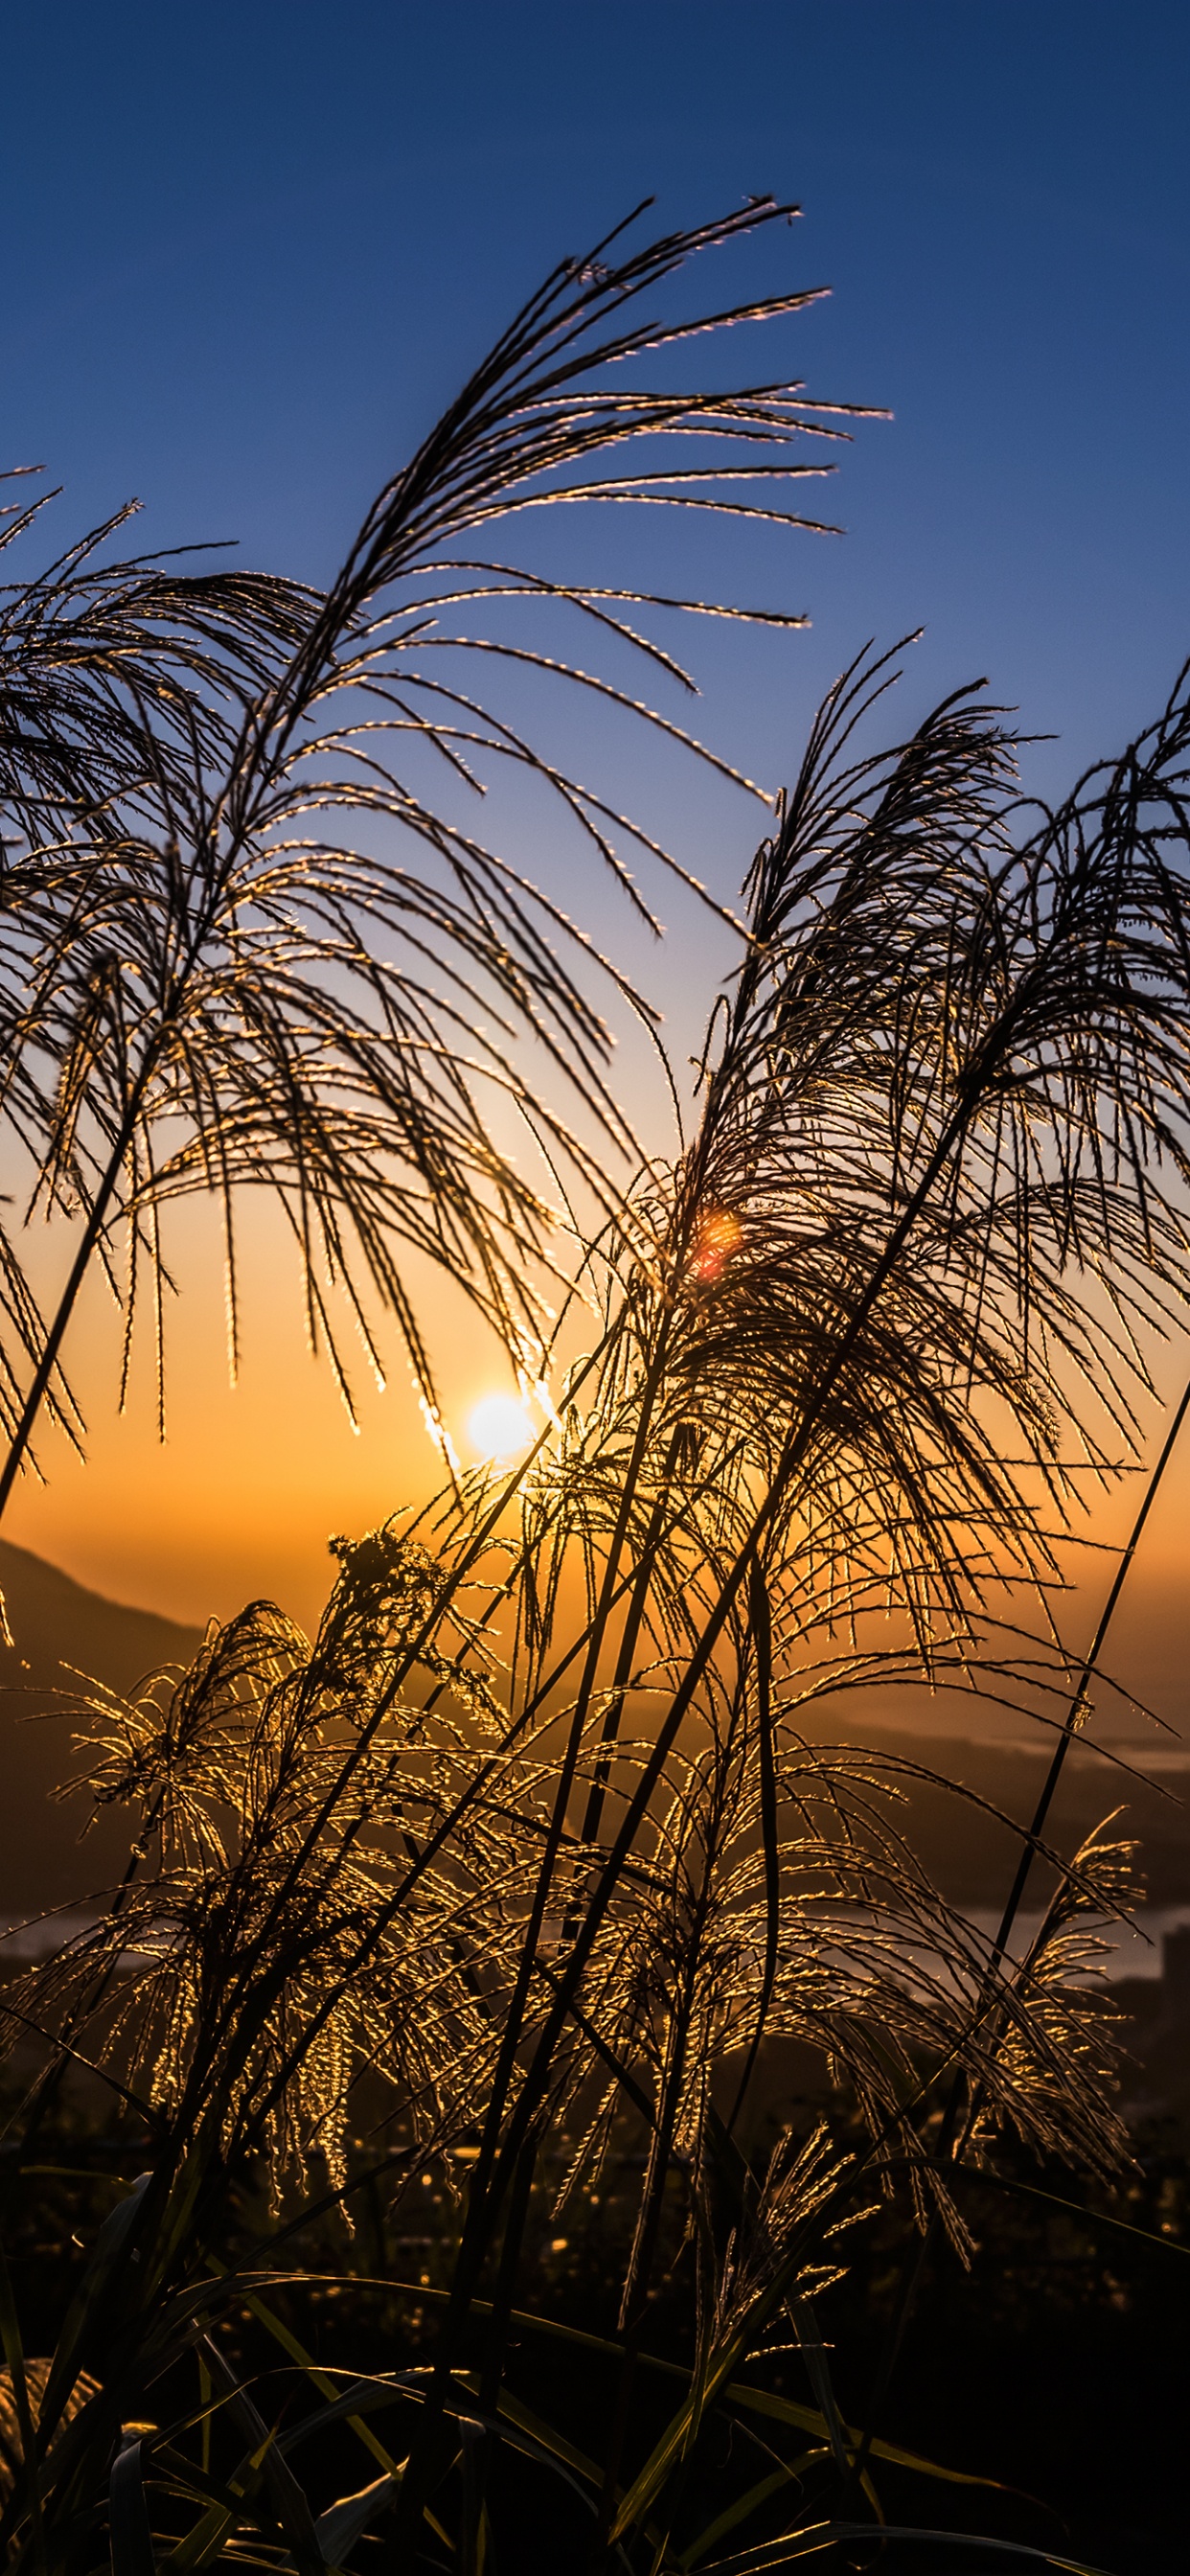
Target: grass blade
[[130, 2527]]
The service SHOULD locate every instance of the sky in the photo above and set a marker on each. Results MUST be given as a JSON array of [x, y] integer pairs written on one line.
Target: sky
[[252, 250]]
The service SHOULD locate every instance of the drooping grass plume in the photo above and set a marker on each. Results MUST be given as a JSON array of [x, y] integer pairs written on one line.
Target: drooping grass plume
[[116, 678], [245, 947]]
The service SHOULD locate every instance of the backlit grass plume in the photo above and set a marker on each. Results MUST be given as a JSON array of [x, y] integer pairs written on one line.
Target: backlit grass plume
[[250, 936]]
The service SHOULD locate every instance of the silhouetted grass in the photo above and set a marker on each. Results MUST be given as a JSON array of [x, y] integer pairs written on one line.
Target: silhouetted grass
[[483, 1918]]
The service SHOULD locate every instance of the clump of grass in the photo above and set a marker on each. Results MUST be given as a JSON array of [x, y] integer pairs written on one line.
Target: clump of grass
[[527, 1870]]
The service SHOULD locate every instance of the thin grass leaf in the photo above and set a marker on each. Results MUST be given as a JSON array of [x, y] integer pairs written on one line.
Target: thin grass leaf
[[343, 2522], [321, 2380], [743, 2507], [822, 2535], [784, 2410], [130, 2528], [86, 2314], [288, 2497]]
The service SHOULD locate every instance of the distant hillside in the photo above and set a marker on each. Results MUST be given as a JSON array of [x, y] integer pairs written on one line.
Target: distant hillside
[[57, 1624], [972, 1857]]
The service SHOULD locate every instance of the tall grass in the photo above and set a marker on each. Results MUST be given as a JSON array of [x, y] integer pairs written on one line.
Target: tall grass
[[536, 1862], [249, 944]]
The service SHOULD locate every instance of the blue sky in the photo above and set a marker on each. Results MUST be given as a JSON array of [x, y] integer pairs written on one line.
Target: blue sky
[[253, 248]]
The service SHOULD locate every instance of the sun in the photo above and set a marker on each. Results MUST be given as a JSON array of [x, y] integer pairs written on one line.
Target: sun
[[500, 1429]]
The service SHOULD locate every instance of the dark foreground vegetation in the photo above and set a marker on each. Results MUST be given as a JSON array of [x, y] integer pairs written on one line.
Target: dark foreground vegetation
[[723, 2194], [1050, 2368]]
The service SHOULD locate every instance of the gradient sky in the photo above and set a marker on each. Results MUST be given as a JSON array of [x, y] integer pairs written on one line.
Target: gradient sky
[[252, 250]]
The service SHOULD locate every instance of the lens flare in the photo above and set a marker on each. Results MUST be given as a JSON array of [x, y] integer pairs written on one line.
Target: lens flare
[[720, 1235], [500, 1429]]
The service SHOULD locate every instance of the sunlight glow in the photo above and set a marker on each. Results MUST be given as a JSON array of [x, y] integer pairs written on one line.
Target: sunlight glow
[[499, 1429], [721, 1234]]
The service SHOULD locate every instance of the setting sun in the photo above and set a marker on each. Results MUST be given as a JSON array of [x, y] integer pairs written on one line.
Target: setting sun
[[500, 1428]]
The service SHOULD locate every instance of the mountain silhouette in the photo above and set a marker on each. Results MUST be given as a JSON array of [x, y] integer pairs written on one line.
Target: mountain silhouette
[[61, 1630]]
